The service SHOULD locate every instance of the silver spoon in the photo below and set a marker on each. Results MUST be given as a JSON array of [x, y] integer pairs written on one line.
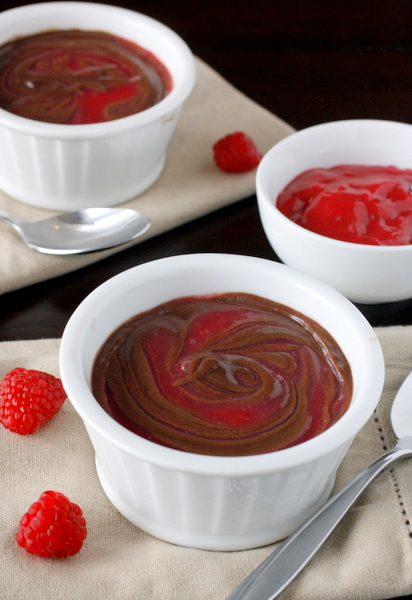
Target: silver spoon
[[82, 231], [281, 567]]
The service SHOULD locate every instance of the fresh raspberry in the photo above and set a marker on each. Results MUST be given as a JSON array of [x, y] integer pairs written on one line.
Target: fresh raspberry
[[53, 527], [236, 153], [28, 399]]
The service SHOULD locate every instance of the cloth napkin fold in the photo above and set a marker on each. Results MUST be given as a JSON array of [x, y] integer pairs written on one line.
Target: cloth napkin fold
[[190, 186], [368, 557]]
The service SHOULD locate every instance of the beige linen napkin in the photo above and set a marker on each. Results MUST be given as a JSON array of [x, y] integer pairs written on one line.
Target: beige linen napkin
[[368, 557], [190, 186]]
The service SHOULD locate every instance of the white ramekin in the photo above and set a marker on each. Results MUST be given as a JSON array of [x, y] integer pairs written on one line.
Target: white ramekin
[[68, 167], [364, 273], [211, 502]]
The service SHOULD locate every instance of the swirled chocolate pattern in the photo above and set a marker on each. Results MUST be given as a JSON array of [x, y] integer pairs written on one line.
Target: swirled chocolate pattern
[[79, 77], [229, 375]]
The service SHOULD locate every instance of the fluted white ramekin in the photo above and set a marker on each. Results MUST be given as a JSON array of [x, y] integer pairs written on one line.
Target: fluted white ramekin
[[67, 167], [211, 502]]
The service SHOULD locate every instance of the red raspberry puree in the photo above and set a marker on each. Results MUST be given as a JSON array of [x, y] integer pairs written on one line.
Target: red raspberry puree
[[352, 203], [77, 77], [230, 375]]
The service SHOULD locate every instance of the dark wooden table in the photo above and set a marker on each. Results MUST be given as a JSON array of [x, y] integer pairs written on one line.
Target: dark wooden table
[[308, 61]]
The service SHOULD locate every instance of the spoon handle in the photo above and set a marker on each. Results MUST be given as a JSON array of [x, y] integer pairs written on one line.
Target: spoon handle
[[279, 569], [9, 218]]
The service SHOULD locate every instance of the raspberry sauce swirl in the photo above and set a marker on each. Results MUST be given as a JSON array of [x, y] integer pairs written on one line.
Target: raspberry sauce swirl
[[229, 375], [77, 77]]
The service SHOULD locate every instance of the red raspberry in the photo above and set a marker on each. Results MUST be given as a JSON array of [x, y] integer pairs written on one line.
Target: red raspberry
[[28, 399], [53, 527], [236, 153]]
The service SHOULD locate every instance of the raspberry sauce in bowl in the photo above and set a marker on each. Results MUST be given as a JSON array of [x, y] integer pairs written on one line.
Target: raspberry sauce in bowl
[[354, 203], [353, 211], [79, 77]]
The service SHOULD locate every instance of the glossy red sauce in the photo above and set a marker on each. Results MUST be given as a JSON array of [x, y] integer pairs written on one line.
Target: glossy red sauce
[[79, 77], [352, 203], [233, 374]]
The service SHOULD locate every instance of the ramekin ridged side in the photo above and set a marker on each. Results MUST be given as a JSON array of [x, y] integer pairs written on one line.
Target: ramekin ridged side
[[211, 512]]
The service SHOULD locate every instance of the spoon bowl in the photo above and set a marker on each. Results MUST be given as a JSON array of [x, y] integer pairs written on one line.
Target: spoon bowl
[[82, 231]]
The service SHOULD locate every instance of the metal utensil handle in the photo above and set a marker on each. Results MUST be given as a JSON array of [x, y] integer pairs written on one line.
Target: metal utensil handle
[[9, 217], [279, 569]]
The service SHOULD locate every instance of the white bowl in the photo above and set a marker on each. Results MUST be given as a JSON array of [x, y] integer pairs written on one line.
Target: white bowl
[[212, 502], [363, 273], [68, 167]]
